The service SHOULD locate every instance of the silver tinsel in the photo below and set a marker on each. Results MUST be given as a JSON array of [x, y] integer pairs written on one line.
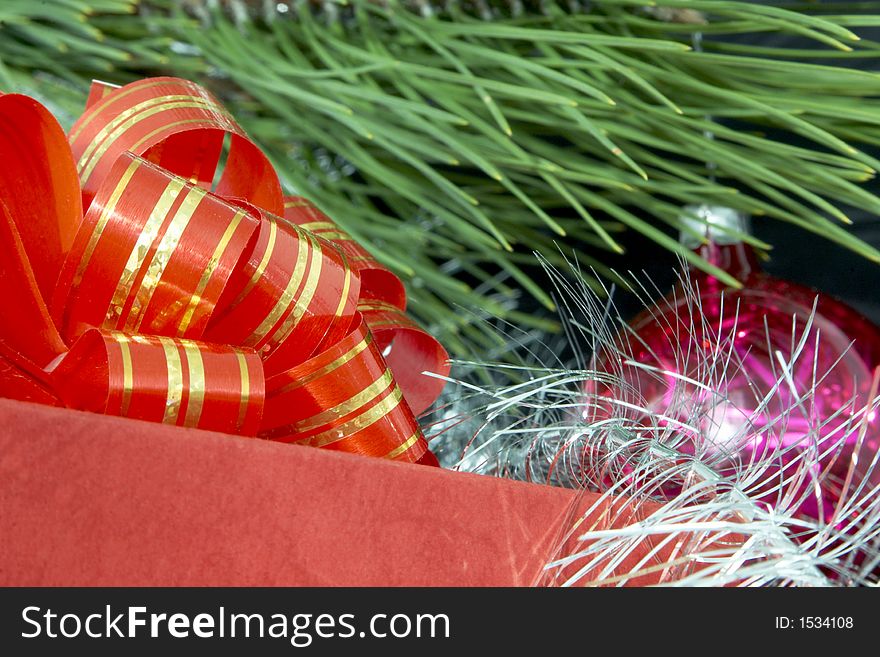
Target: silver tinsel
[[526, 421]]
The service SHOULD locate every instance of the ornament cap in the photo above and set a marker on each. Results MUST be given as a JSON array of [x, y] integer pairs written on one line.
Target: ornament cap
[[717, 224], [717, 234]]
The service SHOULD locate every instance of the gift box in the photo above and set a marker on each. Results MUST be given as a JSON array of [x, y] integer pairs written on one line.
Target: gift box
[[90, 500]]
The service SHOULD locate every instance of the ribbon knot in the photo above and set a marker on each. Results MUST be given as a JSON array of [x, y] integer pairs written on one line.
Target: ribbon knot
[[134, 285]]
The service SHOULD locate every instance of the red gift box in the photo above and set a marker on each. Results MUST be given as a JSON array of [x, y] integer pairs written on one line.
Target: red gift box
[[87, 499]]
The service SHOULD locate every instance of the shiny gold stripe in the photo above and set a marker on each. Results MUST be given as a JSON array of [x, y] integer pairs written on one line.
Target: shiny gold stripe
[[107, 89], [376, 304], [316, 226], [94, 113], [397, 451], [297, 204], [123, 119], [134, 114], [359, 400], [356, 424], [141, 248], [104, 217], [89, 161], [175, 381], [346, 286], [261, 267], [209, 271], [328, 368], [308, 293], [286, 298], [398, 324], [338, 236], [127, 373], [163, 255], [87, 172], [196, 384], [245, 390]]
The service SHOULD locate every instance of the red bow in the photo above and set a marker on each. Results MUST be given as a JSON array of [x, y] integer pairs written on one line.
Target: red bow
[[237, 310]]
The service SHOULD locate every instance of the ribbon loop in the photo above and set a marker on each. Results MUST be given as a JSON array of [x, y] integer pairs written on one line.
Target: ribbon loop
[[344, 398], [419, 361], [28, 333], [152, 255], [163, 379], [408, 350], [292, 291], [179, 126], [38, 185], [191, 307], [377, 281]]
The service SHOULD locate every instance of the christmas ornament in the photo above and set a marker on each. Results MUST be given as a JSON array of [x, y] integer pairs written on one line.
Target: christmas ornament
[[135, 286], [767, 373]]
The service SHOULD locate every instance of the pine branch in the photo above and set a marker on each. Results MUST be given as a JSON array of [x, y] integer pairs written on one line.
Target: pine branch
[[456, 137]]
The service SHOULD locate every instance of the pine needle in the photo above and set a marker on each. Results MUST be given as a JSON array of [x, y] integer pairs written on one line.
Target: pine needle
[[499, 126]]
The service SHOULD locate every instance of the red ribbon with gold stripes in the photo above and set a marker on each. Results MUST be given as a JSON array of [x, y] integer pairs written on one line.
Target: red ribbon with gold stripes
[[136, 281]]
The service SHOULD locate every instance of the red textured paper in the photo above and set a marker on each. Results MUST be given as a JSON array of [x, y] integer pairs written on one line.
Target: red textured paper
[[101, 500]]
